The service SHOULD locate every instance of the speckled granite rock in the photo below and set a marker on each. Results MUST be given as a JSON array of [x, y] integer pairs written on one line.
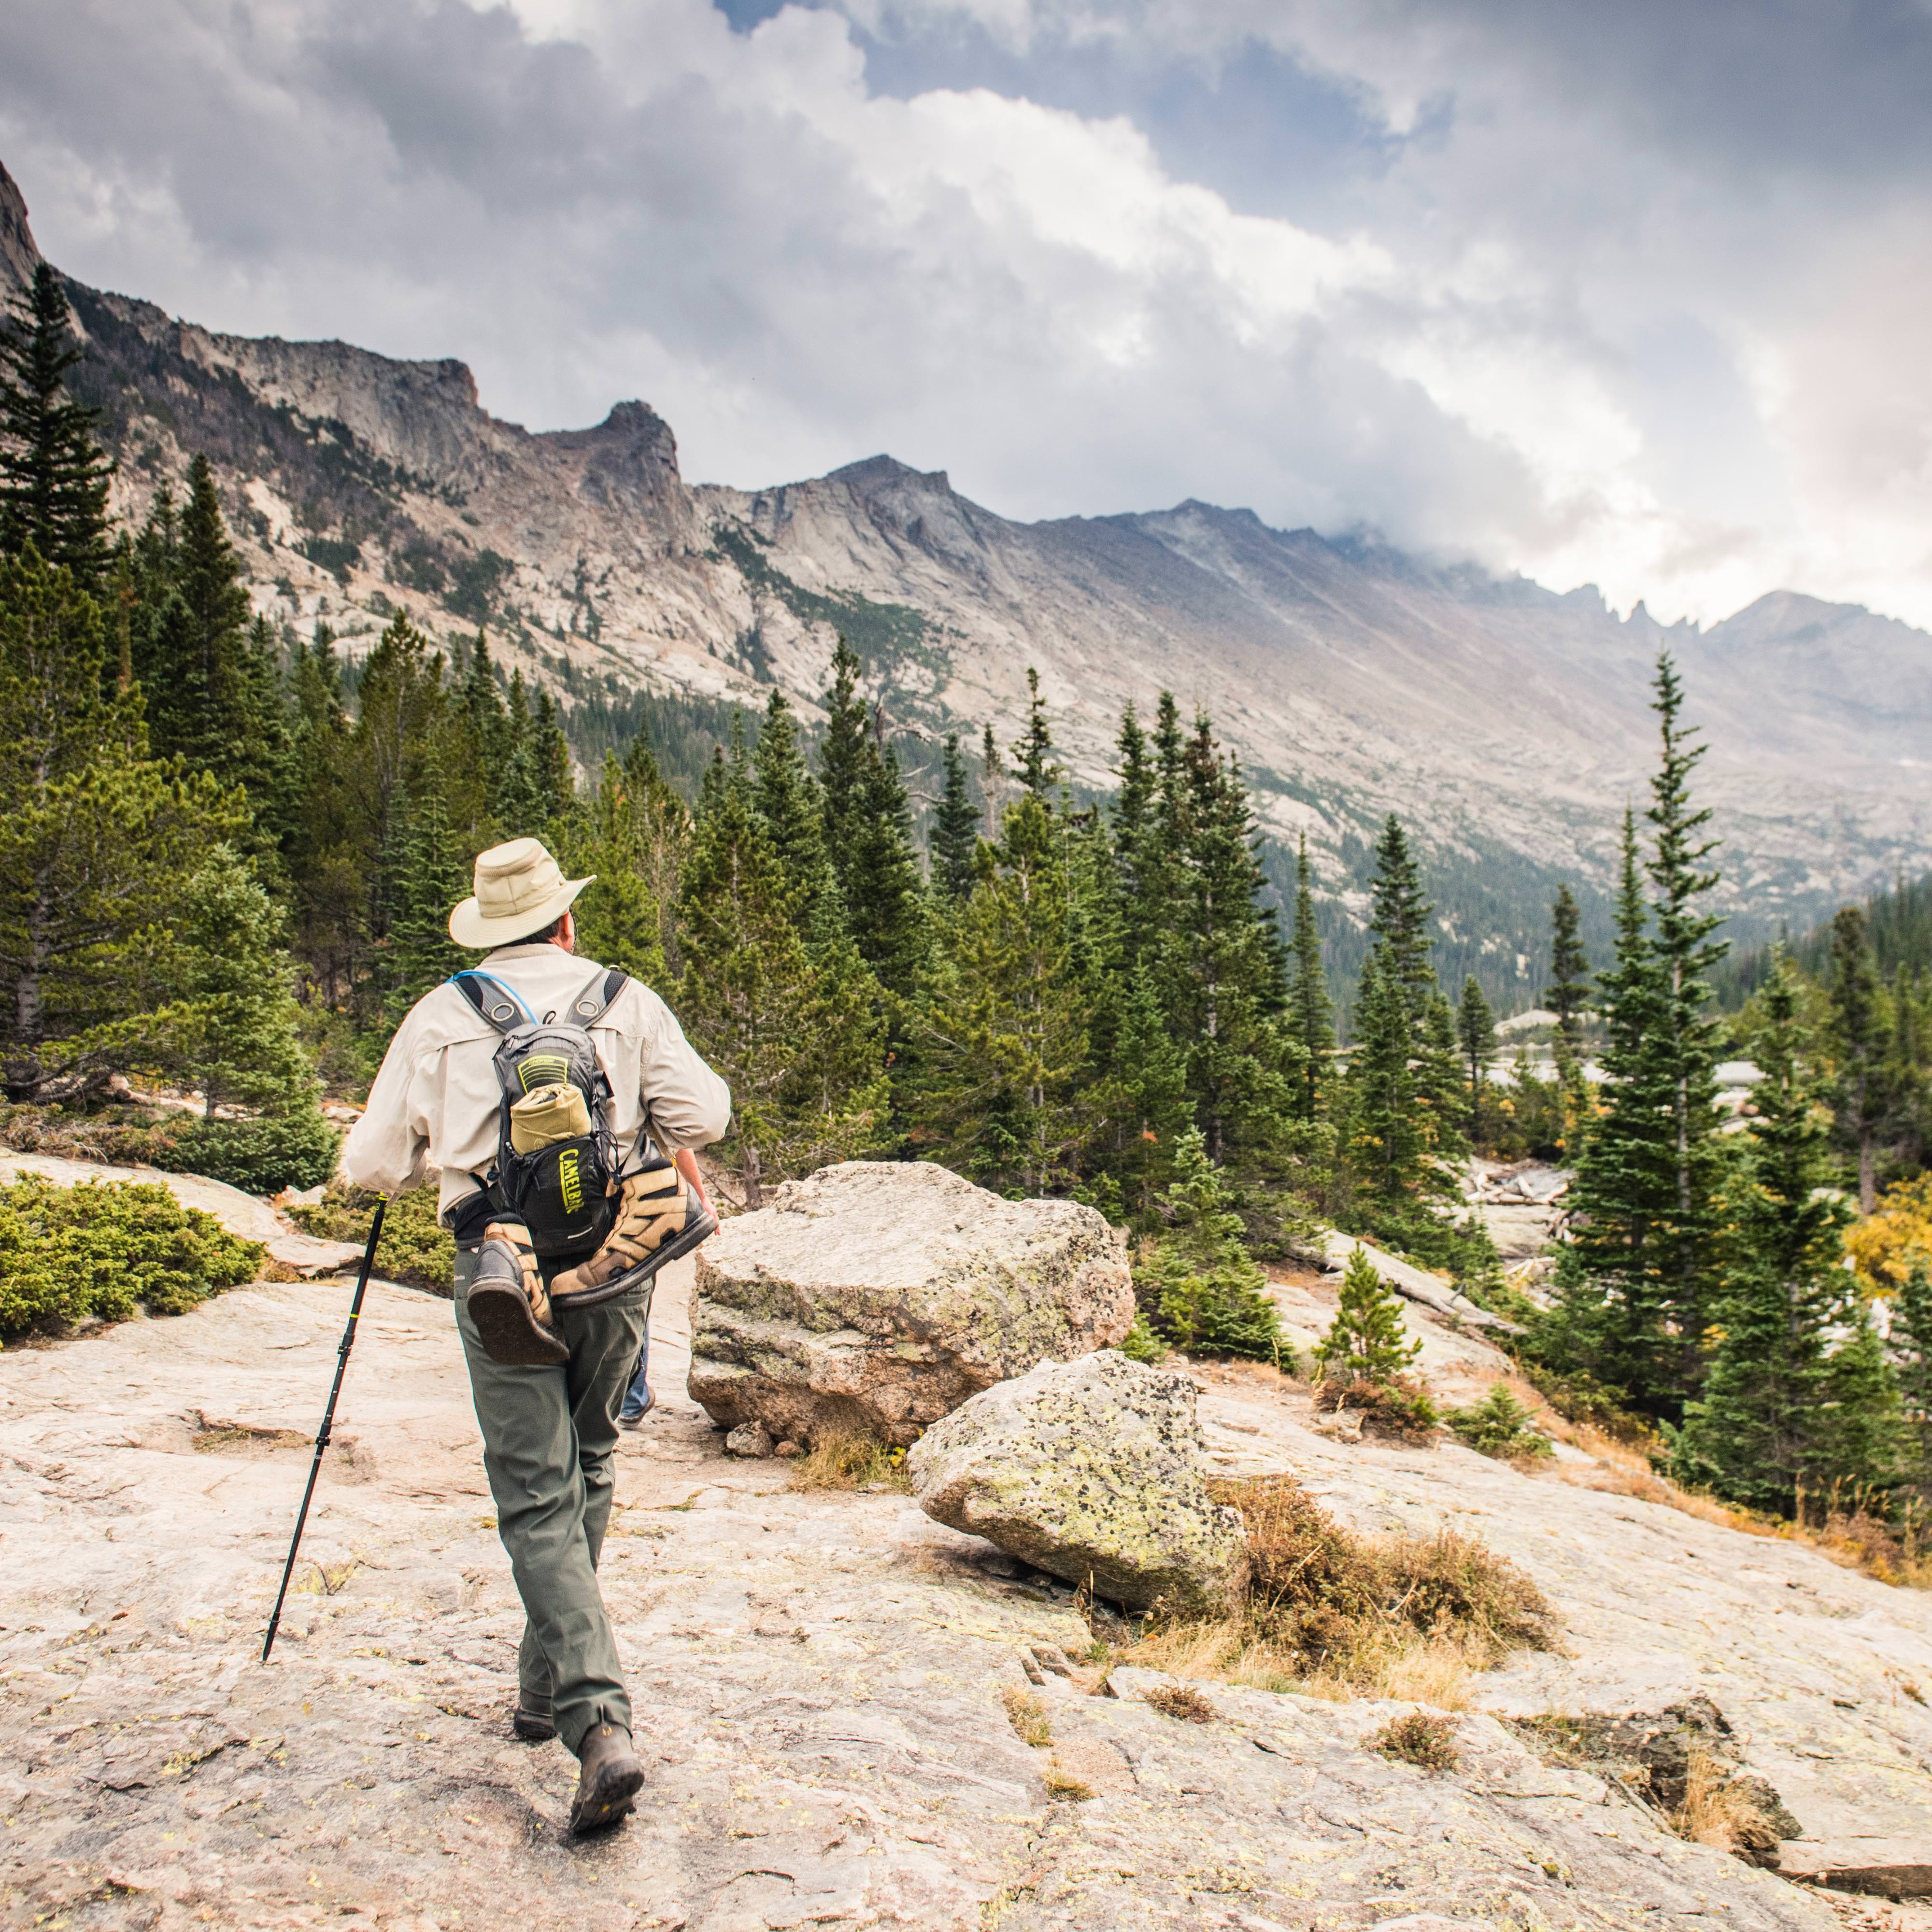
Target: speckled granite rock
[[818, 1679], [878, 1295], [1094, 1471]]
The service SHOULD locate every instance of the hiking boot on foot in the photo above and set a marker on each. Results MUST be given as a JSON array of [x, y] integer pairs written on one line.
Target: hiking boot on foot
[[531, 1719], [608, 1779], [507, 1303], [659, 1219]]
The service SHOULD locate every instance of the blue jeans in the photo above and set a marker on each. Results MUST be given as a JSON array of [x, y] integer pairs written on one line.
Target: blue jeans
[[638, 1397]]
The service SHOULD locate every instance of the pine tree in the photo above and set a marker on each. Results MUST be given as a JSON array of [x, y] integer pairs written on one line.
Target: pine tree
[[520, 797], [1687, 1039], [1404, 1083], [992, 785], [885, 907], [232, 1030], [1200, 1289], [550, 751], [1219, 971], [1614, 1305], [429, 871], [213, 687], [785, 795], [955, 829], [845, 758], [324, 856], [97, 841], [1399, 918], [1367, 1341], [632, 838], [1002, 1034], [1312, 1019], [1758, 1431], [1859, 1045], [1912, 1365], [1032, 756], [1476, 1034], [1861, 1429], [1150, 1082], [53, 476], [1569, 988], [1568, 992], [1138, 860], [799, 1046]]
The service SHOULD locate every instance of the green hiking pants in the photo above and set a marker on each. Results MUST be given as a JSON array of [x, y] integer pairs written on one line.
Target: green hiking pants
[[550, 1440]]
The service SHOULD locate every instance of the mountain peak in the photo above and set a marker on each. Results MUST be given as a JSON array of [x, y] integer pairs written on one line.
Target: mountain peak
[[881, 472], [18, 256]]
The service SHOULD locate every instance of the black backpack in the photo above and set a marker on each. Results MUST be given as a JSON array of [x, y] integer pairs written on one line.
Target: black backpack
[[566, 1193]]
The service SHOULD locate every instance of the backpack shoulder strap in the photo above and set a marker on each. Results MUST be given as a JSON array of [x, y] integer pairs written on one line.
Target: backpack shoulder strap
[[496, 1002], [594, 1001]]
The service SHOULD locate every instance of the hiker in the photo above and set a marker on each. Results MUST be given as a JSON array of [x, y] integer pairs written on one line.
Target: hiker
[[548, 1092]]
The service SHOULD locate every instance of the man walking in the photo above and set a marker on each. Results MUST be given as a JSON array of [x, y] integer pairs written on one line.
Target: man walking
[[548, 1369]]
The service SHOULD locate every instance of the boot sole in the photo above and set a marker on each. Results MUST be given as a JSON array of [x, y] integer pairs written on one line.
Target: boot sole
[[680, 1244], [607, 1801], [510, 1333], [532, 1730]]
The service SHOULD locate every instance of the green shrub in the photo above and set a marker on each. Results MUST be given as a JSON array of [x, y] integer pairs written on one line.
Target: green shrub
[[262, 1156], [416, 1247], [104, 1248], [1500, 1425], [1141, 1344]]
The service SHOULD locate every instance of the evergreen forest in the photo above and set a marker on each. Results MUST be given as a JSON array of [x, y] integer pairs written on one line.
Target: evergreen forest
[[230, 856]]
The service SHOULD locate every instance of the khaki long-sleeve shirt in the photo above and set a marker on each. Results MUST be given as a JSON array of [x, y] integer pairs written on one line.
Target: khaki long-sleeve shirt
[[434, 1104]]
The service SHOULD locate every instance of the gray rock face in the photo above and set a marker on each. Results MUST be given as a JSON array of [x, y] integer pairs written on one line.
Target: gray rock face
[[879, 1295], [1094, 1471], [818, 1680]]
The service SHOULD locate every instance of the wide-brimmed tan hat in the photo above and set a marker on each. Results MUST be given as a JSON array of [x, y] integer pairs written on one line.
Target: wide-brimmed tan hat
[[520, 890]]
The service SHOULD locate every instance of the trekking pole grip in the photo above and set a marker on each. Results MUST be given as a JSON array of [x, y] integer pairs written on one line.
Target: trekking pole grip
[[328, 1417]]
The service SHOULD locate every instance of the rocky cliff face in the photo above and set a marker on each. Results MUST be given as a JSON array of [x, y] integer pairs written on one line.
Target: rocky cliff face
[[1507, 723]]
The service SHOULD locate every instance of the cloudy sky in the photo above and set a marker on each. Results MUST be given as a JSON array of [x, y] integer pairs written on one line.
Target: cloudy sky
[[1638, 293]]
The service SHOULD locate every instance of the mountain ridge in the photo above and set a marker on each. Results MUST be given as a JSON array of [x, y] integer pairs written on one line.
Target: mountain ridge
[[1507, 723]]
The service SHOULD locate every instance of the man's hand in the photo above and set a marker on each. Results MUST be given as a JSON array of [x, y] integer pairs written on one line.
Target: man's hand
[[686, 1163]]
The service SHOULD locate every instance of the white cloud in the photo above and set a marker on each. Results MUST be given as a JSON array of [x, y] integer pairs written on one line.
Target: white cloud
[[591, 198]]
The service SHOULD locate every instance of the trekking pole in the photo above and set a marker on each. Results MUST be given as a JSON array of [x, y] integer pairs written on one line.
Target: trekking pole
[[328, 1417]]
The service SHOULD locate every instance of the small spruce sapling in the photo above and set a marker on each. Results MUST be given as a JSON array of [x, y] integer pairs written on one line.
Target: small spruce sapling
[[1201, 1290], [1366, 1342], [1500, 1425]]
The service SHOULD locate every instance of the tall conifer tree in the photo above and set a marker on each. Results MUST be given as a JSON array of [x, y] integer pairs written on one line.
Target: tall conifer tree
[[53, 476], [955, 829], [1859, 1045], [1032, 756], [786, 797], [1756, 1433], [1312, 1013], [1476, 1034], [1686, 1043]]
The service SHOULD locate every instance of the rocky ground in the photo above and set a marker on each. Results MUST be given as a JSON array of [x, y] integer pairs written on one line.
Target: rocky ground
[[819, 1677]]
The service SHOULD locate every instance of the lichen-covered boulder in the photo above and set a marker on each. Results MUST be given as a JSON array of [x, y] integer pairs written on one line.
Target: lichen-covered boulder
[[877, 1296], [1093, 1470]]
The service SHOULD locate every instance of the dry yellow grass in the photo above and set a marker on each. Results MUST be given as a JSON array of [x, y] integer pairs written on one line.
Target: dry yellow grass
[[1331, 1614], [847, 1459], [1028, 1716]]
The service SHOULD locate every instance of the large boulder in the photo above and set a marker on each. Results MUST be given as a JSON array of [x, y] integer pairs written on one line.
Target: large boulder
[[877, 1296], [1094, 1471]]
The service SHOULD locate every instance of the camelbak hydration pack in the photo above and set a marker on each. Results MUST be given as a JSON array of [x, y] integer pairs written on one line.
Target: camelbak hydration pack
[[564, 1192]]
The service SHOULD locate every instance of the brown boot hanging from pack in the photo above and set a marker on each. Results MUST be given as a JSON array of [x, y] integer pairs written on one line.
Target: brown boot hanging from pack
[[508, 1302], [659, 1219]]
